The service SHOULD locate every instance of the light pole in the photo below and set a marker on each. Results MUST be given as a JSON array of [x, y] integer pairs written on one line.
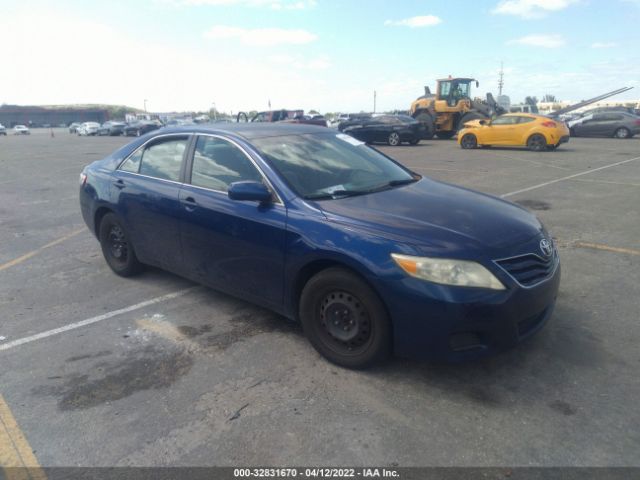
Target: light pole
[[215, 113], [374, 101], [145, 105]]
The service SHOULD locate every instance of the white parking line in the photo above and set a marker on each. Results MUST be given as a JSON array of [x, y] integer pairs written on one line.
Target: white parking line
[[99, 318], [568, 177]]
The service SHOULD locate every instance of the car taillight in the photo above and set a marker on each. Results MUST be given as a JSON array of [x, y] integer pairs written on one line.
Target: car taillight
[[549, 124], [637, 122], [83, 179]]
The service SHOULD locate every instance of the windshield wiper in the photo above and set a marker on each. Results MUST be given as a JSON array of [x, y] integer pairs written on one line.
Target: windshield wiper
[[334, 194], [391, 183]]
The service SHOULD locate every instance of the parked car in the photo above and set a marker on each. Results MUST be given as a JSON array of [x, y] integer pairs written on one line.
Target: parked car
[[140, 128], [369, 256], [536, 132], [286, 116], [111, 128], [3, 130], [593, 111], [390, 129], [73, 128], [21, 130], [88, 129], [616, 124]]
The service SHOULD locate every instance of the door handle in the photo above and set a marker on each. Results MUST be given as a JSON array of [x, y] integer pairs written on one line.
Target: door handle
[[119, 184], [190, 204]]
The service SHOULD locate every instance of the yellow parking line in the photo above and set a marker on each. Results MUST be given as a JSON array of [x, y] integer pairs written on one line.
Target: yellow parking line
[[607, 248], [16, 456], [27, 256]]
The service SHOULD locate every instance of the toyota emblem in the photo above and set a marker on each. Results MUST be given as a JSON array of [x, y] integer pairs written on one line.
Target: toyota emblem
[[546, 247]]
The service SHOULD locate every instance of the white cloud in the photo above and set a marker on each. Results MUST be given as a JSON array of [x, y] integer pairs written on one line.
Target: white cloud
[[531, 8], [261, 37], [273, 4], [544, 41], [604, 45], [415, 22], [300, 62]]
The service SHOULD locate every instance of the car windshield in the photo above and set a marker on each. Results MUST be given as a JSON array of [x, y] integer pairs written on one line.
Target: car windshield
[[329, 166]]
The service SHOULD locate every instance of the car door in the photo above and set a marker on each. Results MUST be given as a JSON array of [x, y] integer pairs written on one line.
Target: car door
[[146, 190], [591, 126], [503, 130], [235, 246], [610, 123]]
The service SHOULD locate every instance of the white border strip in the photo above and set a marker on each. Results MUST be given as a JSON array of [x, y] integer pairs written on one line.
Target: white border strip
[[540, 185], [99, 318]]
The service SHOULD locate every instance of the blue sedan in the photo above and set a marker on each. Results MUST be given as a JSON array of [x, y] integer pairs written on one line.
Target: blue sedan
[[369, 256]]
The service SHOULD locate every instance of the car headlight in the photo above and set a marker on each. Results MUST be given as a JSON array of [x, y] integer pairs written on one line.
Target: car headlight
[[447, 271]]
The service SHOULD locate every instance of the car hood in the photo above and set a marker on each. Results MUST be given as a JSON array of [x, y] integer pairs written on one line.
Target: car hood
[[473, 123], [433, 213]]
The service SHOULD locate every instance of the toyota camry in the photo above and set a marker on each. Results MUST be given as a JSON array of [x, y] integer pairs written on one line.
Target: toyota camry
[[370, 257]]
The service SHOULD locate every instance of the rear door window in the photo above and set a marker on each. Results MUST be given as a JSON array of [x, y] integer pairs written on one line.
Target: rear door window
[[159, 159]]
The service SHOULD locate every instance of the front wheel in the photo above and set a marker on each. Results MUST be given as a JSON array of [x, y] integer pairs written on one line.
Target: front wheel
[[537, 142], [622, 132], [469, 141], [344, 319], [116, 247], [394, 139]]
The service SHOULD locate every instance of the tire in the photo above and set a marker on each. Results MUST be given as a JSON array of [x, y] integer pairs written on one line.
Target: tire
[[537, 143], [116, 247], [445, 135], [621, 133], [572, 132], [359, 334], [137, 133], [393, 139], [427, 120], [469, 141], [552, 147]]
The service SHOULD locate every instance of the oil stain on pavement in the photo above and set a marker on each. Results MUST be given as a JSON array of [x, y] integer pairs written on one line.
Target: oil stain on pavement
[[148, 369]]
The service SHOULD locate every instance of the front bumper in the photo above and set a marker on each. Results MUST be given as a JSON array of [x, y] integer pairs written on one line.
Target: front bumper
[[564, 139], [453, 324]]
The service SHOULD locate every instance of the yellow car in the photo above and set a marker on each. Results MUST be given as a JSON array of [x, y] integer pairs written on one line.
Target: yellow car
[[515, 129]]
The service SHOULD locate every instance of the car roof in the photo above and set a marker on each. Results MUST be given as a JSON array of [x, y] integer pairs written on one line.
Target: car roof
[[251, 131]]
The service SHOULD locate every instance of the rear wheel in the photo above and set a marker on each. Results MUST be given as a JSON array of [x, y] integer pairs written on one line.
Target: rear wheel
[[394, 139], [116, 247], [622, 132], [469, 141], [344, 319], [537, 142]]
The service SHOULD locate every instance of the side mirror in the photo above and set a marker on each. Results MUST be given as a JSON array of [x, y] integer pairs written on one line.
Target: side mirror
[[483, 122], [249, 190]]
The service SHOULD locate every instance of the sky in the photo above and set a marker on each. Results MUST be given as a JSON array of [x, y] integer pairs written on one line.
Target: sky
[[327, 55]]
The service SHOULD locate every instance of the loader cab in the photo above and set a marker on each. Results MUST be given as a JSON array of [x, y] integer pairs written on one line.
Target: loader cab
[[452, 90]]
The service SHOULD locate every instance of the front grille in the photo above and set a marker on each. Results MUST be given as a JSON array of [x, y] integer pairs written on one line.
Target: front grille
[[529, 269]]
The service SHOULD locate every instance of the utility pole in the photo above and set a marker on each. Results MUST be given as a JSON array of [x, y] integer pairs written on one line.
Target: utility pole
[[145, 105], [501, 81], [374, 101]]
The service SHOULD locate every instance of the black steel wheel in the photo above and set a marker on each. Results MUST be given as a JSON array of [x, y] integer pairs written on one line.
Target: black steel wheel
[[116, 247], [345, 319], [394, 139], [537, 143], [469, 141], [622, 132]]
